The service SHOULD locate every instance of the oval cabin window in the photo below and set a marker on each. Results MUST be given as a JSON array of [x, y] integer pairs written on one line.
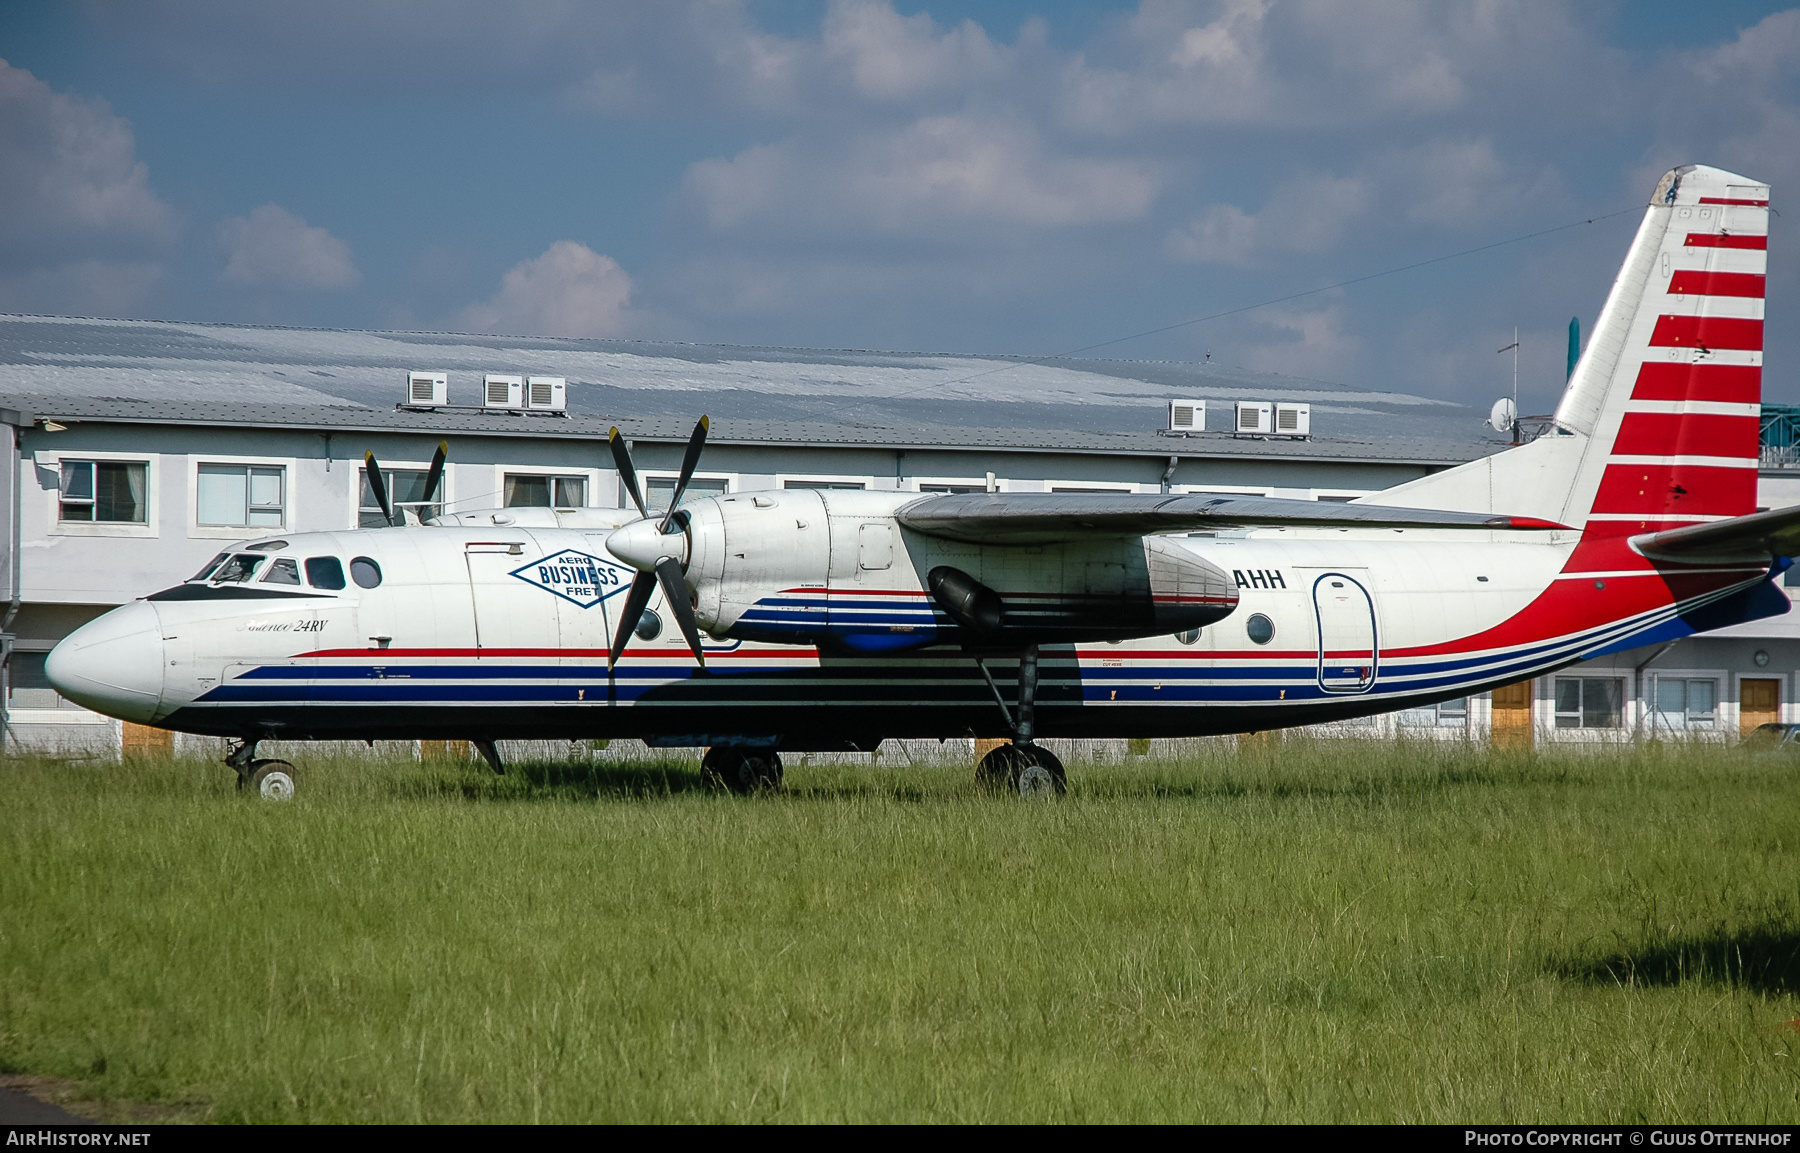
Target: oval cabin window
[[1260, 629]]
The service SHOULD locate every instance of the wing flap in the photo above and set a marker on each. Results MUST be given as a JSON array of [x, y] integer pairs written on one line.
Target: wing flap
[[1038, 518], [1758, 537]]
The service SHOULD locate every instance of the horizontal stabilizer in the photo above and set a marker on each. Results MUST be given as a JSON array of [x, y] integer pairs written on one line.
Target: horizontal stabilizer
[[1757, 538], [1036, 518]]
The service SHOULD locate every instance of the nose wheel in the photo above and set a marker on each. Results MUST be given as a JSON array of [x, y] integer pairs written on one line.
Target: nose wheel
[[270, 779]]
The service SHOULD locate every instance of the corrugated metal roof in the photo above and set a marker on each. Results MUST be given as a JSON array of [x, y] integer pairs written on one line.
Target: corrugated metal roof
[[251, 376]]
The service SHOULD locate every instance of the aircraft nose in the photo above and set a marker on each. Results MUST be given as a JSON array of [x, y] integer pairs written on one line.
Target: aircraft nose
[[114, 664], [640, 544]]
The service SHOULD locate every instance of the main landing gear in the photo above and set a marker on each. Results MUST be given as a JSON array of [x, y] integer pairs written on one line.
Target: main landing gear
[[1022, 767], [272, 780], [742, 771]]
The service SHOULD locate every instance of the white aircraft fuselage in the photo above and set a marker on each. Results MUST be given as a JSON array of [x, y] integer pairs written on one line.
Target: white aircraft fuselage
[[835, 619]]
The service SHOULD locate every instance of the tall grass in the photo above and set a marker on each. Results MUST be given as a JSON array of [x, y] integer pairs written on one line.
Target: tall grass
[[1338, 931]]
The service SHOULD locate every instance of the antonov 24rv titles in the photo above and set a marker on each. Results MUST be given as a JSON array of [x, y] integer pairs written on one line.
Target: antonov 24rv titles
[[755, 623]]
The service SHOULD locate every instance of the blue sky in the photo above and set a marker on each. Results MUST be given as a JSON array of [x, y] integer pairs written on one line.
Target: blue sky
[[1010, 176]]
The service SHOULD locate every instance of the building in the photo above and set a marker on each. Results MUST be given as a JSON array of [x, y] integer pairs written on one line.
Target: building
[[141, 447]]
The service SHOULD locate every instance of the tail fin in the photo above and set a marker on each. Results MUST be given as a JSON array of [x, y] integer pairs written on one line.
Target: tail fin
[[1658, 425]]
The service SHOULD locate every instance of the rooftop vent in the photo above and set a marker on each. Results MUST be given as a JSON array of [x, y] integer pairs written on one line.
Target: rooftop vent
[[427, 389], [1187, 416], [547, 394], [499, 391]]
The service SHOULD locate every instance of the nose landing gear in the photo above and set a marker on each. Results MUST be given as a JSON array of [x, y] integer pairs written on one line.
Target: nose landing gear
[[1022, 767], [272, 780]]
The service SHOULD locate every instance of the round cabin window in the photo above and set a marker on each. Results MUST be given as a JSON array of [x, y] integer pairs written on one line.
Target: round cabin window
[[1260, 629], [649, 626], [1189, 637], [365, 572]]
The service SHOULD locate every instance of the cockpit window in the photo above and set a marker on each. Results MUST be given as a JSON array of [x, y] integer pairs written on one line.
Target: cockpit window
[[365, 572], [239, 568], [208, 567], [283, 572], [267, 546], [325, 572]]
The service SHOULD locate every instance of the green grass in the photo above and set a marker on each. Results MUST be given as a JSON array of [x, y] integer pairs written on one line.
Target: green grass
[[1336, 931]]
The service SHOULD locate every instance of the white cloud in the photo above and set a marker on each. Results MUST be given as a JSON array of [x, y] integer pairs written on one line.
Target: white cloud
[[1312, 344], [1306, 214], [570, 290], [79, 226], [273, 248], [938, 171], [889, 56]]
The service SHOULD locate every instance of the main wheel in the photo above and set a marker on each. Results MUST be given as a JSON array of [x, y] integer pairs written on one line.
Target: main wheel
[[272, 780], [1028, 770], [742, 771]]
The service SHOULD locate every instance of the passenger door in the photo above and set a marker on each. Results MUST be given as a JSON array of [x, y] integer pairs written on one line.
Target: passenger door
[[1348, 647], [509, 613]]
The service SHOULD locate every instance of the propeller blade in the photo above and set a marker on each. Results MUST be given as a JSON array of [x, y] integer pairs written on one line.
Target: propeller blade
[[696, 442], [379, 487], [627, 471], [642, 585], [435, 475], [668, 572]]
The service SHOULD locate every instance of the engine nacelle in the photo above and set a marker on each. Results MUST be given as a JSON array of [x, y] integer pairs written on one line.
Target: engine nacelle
[[835, 569]]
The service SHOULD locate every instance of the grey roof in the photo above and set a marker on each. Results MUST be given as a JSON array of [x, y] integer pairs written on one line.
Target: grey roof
[[161, 372]]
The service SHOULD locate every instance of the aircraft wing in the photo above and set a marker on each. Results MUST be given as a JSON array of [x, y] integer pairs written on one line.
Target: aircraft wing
[[1758, 538], [1035, 518]]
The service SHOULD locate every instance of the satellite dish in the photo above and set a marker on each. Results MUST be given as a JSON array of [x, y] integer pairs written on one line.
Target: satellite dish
[[1504, 415]]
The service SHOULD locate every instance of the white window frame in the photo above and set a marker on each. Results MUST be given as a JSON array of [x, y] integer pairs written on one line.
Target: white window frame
[[1437, 726], [359, 467], [53, 498], [977, 483], [1722, 681], [1219, 489], [501, 471], [648, 475], [1098, 486], [1628, 705], [197, 531], [1339, 494], [867, 483]]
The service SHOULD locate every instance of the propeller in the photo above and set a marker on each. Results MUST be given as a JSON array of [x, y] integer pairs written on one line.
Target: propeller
[[434, 476], [378, 486], [665, 569]]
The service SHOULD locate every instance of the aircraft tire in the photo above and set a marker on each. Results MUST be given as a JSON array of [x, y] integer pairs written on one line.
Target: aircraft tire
[[742, 771], [1027, 770], [272, 780]]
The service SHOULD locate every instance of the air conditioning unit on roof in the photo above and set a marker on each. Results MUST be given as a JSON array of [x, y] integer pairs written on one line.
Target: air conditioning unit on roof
[[499, 391], [546, 393], [1293, 419], [427, 389], [1187, 416], [1254, 417]]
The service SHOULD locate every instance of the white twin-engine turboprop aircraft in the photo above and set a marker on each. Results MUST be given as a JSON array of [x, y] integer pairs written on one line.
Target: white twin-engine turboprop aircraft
[[832, 620]]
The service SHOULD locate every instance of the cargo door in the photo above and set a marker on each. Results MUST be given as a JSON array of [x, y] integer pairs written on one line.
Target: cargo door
[[1347, 643], [511, 613]]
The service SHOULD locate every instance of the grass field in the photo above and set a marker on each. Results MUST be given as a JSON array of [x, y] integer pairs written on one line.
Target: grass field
[[1323, 932]]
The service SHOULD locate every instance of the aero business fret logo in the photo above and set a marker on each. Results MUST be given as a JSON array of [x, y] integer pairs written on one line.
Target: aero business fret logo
[[576, 576]]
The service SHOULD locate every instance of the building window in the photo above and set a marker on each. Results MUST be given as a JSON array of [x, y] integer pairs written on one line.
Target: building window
[[28, 688], [825, 484], [1590, 702], [658, 490], [1684, 704], [523, 491], [406, 490], [241, 495], [1443, 715], [972, 486], [1087, 488], [103, 491]]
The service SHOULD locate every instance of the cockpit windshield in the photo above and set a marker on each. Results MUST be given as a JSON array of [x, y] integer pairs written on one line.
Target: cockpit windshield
[[206, 570], [239, 568]]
